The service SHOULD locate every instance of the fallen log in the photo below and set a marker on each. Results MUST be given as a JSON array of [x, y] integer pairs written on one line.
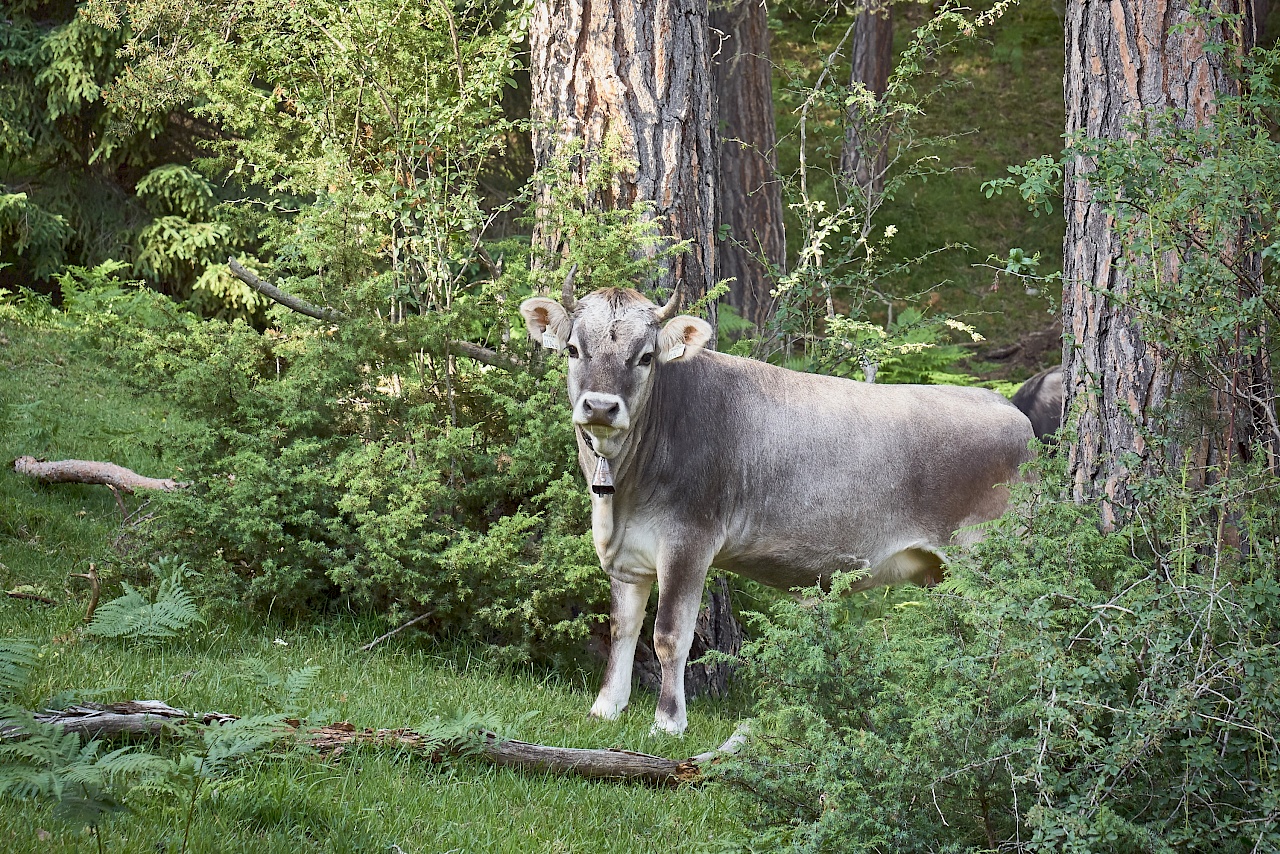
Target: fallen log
[[88, 471], [151, 717]]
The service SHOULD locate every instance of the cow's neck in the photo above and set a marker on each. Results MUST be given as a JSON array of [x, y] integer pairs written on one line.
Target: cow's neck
[[608, 526]]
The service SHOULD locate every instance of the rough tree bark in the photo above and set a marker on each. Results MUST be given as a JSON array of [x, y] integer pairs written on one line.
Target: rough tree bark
[[750, 195], [640, 71], [1123, 56], [717, 629], [865, 155]]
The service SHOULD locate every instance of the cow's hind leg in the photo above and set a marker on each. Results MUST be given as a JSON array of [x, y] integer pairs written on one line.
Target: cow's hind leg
[[680, 583], [626, 618]]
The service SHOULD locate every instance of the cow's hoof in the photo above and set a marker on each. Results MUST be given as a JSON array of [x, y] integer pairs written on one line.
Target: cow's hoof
[[606, 711], [667, 727]]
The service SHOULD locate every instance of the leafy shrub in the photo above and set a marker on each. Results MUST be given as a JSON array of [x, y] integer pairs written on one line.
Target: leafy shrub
[[1063, 690], [359, 466]]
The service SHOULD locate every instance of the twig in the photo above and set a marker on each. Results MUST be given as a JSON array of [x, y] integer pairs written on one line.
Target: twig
[[418, 619], [124, 512], [95, 589], [34, 597]]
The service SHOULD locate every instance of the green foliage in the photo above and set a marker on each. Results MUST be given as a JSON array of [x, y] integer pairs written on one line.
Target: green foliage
[[351, 465], [138, 617], [39, 761], [16, 658], [841, 293], [83, 181], [287, 694], [1064, 690], [613, 247]]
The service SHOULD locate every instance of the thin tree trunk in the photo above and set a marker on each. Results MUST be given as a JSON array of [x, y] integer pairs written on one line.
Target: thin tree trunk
[[640, 71], [750, 195], [717, 629], [1123, 57], [865, 155]]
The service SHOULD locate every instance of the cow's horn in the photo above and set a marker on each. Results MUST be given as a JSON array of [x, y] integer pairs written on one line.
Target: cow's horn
[[670, 308], [566, 292]]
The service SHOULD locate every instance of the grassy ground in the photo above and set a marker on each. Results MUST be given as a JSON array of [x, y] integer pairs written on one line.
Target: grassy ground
[[57, 400]]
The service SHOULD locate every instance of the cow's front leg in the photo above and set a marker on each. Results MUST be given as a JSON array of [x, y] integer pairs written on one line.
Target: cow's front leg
[[626, 618], [681, 577]]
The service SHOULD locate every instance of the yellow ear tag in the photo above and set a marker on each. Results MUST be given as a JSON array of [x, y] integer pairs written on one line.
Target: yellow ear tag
[[676, 351], [550, 341]]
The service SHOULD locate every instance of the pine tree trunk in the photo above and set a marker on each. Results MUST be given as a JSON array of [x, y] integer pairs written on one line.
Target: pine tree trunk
[[641, 71], [750, 195], [1122, 58], [865, 155]]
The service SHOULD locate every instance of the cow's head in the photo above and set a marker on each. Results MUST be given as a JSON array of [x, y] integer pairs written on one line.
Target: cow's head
[[616, 342]]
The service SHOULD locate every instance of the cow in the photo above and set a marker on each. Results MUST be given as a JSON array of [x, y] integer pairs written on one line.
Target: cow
[[1040, 399], [697, 458]]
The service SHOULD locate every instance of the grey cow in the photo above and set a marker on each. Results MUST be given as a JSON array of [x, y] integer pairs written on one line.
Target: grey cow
[[698, 458]]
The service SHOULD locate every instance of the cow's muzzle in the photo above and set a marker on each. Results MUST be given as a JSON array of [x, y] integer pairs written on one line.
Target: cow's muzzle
[[603, 420], [601, 410]]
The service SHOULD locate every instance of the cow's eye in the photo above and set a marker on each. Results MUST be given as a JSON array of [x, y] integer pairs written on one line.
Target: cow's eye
[[573, 351], [646, 360]]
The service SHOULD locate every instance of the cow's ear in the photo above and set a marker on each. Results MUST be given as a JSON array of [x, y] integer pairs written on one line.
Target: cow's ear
[[547, 321], [682, 338]]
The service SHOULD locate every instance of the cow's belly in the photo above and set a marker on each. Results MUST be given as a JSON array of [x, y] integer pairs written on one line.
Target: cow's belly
[[788, 562]]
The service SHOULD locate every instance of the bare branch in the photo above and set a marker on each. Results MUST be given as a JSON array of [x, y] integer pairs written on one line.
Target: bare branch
[[485, 356], [397, 630], [88, 471], [465, 348], [276, 295]]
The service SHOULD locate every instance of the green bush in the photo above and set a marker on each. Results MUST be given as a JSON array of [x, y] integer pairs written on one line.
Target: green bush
[[356, 466], [1063, 690], [342, 465]]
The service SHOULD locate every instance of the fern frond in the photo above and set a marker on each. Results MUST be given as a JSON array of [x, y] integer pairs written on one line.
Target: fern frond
[[297, 685], [17, 657], [134, 617], [230, 741]]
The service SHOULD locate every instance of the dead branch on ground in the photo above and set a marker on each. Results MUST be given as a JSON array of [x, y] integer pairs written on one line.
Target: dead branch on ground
[[32, 597], [89, 471], [150, 717]]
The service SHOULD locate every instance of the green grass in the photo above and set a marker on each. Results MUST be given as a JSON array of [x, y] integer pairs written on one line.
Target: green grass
[[60, 400]]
